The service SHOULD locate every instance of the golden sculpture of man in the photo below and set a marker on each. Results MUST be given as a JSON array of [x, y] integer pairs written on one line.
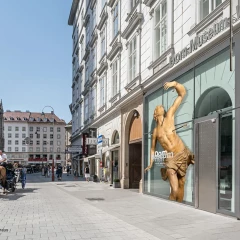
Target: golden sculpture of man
[[165, 132]]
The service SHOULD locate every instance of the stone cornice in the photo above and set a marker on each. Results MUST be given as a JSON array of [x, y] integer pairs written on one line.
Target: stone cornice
[[149, 3], [86, 90], [93, 4], [87, 51], [86, 20], [73, 12], [81, 68], [104, 17], [135, 20], [94, 38], [102, 67], [111, 3], [117, 47]]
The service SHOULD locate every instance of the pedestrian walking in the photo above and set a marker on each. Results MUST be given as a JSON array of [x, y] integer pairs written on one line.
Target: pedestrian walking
[[87, 175], [48, 171], [23, 175], [68, 170], [59, 172]]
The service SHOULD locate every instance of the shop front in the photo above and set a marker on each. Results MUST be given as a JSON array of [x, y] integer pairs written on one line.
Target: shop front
[[204, 121]]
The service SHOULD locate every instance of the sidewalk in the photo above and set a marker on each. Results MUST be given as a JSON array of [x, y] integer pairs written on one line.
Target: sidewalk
[[71, 209]]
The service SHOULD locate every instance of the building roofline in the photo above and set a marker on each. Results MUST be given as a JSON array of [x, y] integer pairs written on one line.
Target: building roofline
[[73, 12]]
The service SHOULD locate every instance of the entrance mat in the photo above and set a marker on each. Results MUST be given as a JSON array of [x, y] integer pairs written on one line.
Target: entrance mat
[[95, 199]]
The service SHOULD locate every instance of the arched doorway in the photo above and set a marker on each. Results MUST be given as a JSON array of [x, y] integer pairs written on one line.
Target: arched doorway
[[115, 156], [214, 145], [135, 151]]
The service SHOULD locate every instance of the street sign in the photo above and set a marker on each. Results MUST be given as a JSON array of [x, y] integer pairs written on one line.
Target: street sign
[[74, 149], [102, 141], [91, 141]]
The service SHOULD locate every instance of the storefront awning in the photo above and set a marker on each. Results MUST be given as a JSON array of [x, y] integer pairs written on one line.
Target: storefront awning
[[89, 157], [111, 148]]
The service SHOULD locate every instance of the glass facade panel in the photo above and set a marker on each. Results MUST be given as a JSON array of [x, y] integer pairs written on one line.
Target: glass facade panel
[[209, 87]]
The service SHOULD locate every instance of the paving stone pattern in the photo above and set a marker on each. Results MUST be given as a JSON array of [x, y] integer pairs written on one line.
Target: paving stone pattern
[[80, 210]]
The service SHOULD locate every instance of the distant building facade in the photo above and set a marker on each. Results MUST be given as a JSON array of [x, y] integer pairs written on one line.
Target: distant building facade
[[68, 131], [1, 127], [33, 138]]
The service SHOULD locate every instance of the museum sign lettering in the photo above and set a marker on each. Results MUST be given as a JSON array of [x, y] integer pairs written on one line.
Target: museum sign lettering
[[200, 40]]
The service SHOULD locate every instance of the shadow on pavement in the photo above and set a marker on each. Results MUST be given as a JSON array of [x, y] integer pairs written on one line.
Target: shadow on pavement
[[19, 193]]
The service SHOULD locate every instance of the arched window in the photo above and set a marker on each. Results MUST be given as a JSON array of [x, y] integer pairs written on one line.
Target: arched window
[[116, 138]]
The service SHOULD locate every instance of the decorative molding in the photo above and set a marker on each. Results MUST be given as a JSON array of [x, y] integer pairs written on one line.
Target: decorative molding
[[77, 50], [103, 66], [86, 20], [111, 3], [93, 81], [103, 20], [81, 39], [216, 13], [149, 3], [85, 92], [93, 2], [87, 52], [161, 58], [135, 20], [129, 15], [115, 98], [132, 84], [103, 58], [102, 107], [81, 68], [116, 38], [73, 12], [80, 100], [73, 61], [94, 38], [117, 47]]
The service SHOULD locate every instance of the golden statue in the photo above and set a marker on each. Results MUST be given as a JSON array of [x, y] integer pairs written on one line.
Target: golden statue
[[165, 132]]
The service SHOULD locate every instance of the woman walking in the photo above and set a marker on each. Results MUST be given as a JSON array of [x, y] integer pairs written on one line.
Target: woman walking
[[23, 176]]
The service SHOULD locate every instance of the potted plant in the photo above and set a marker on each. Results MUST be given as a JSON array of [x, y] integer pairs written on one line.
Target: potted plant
[[116, 183]]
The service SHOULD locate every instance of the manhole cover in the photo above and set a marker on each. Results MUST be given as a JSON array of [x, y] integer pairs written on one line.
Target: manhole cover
[[95, 199]]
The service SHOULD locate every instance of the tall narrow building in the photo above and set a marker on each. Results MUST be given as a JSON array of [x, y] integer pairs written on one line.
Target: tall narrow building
[[1, 127]]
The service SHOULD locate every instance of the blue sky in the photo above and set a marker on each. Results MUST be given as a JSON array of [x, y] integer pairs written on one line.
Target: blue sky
[[35, 55]]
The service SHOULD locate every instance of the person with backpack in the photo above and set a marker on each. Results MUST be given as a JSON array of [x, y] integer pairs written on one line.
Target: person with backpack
[[87, 175]]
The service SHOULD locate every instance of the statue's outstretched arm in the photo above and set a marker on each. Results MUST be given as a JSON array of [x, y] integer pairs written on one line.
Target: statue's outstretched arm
[[181, 93], [152, 151]]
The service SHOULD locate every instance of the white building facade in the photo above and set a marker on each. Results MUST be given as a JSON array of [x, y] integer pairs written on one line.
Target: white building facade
[[33, 138], [123, 53]]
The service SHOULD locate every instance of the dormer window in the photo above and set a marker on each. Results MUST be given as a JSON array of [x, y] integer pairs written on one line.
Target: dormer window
[[11, 118]]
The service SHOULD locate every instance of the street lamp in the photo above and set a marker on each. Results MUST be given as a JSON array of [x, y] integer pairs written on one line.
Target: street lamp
[[53, 141]]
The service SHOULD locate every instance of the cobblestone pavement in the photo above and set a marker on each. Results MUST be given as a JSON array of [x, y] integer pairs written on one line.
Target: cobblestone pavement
[[80, 210]]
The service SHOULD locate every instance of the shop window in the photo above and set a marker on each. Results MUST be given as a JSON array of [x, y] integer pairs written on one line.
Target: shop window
[[116, 138]]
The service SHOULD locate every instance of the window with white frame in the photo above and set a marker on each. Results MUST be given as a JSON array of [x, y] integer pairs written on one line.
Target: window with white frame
[[38, 135], [207, 6], [82, 49], [9, 135], [114, 78], [16, 128], [90, 103], [87, 72], [37, 149], [87, 32], [38, 142], [16, 142], [58, 143], [16, 135], [9, 149], [23, 149], [45, 149], [23, 142], [86, 108], [94, 16], [45, 129], [44, 142], [160, 29], [93, 95], [58, 149], [76, 119], [16, 149], [9, 128], [103, 42], [77, 91], [9, 142], [51, 142], [93, 58], [102, 91], [44, 135], [115, 20], [23, 129], [58, 129], [59, 136], [31, 135], [51, 136], [31, 129], [51, 129], [24, 135], [38, 129], [30, 149], [132, 58], [133, 3]]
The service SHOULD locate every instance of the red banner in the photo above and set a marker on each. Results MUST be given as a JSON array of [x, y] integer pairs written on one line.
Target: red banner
[[85, 147]]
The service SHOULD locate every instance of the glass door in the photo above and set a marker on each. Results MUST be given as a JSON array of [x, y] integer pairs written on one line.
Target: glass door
[[225, 164]]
